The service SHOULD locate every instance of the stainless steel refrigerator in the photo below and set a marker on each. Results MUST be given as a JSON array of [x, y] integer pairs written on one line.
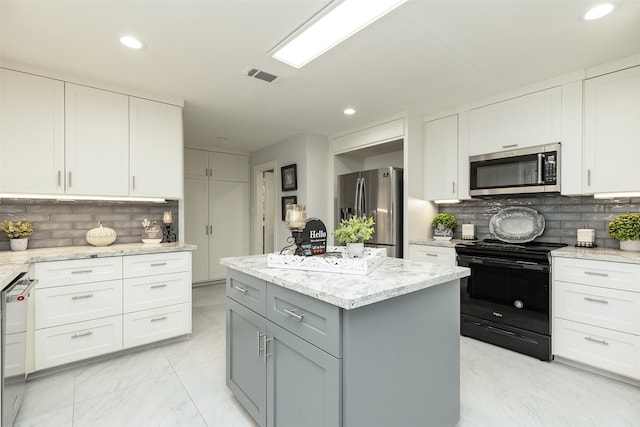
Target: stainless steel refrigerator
[[376, 193]]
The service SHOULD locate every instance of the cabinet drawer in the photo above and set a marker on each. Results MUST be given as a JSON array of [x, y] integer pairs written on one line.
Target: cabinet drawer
[[148, 326], [603, 307], [602, 348], [153, 264], [56, 273], [315, 321], [433, 254], [75, 303], [247, 290], [607, 274], [70, 343], [143, 293]]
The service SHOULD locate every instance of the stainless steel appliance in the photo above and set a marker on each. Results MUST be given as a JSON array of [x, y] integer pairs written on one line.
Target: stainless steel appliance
[[376, 193], [506, 299], [523, 171], [14, 340]]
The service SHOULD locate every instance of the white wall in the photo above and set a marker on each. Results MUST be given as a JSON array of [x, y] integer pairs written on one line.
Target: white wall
[[310, 153]]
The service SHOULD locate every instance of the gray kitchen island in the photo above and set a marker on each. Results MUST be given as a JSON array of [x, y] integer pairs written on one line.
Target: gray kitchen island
[[311, 348]]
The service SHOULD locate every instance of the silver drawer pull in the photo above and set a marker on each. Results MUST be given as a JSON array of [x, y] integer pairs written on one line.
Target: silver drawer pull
[[595, 340], [430, 254], [85, 334], [510, 146], [158, 264], [593, 273], [294, 314], [157, 319], [258, 343], [239, 289], [82, 296], [164, 285], [81, 271], [602, 301]]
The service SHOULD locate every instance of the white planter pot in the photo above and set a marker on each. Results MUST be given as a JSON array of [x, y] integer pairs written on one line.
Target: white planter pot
[[630, 245], [18, 244], [355, 250]]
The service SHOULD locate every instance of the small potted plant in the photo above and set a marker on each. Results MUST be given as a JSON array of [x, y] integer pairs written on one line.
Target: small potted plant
[[18, 233], [626, 229], [354, 232], [443, 226]]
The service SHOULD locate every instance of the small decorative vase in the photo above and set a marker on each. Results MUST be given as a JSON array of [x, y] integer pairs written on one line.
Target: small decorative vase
[[355, 250], [442, 233], [19, 244], [630, 245]]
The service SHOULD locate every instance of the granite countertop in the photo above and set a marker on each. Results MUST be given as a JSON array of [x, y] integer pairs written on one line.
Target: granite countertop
[[15, 262], [442, 243], [600, 254], [394, 277]]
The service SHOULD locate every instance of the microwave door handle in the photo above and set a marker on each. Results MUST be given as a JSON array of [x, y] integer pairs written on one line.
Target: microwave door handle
[[540, 168]]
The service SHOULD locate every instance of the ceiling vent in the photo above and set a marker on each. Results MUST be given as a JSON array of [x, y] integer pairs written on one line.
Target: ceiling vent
[[261, 75]]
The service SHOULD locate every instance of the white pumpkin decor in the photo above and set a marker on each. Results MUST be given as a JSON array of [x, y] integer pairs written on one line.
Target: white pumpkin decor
[[101, 236]]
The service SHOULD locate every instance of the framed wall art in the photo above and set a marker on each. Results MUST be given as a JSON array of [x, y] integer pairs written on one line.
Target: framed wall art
[[289, 177], [288, 200]]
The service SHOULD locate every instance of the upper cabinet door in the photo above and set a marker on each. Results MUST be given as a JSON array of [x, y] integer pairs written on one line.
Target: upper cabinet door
[[156, 149], [612, 132], [31, 133], [196, 164], [525, 121], [441, 158], [229, 167], [97, 141]]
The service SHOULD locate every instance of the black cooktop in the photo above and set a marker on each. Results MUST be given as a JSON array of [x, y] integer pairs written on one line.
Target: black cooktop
[[497, 248]]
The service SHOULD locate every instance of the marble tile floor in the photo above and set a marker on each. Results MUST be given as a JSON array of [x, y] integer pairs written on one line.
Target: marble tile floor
[[183, 384]]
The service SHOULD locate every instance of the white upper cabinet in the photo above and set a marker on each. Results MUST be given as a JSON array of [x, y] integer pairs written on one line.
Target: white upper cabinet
[[441, 158], [525, 121], [612, 132], [31, 133], [156, 149], [97, 141]]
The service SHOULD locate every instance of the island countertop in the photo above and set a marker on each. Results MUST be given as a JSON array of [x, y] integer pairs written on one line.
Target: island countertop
[[394, 277]]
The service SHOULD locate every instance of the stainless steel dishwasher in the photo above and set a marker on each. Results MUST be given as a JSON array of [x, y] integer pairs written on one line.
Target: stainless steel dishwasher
[[14, 341]]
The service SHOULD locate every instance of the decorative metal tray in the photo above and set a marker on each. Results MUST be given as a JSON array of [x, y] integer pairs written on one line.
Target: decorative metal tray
[[517, 225], [335, 260]]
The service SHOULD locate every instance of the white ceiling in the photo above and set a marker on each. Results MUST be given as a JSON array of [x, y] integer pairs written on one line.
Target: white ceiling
[[425, 57]]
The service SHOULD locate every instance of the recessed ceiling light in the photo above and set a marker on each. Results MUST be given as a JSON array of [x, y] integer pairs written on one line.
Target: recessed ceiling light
[[334, 24], [349, 111], [598, 11], [132, 42]]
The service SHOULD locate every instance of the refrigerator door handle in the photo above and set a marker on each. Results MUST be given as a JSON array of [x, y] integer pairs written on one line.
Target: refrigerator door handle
[[357, 198], [363, 195]]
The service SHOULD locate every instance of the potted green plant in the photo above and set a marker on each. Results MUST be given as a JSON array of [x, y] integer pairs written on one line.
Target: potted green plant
[[354, 232], [444, 225], [626, 229], [18, 233]]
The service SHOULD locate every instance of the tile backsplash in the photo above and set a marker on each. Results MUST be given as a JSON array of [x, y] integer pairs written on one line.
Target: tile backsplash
[[563, 215], [64, 223]]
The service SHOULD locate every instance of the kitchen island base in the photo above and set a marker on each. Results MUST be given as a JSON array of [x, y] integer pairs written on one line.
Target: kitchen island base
[[295, 360]]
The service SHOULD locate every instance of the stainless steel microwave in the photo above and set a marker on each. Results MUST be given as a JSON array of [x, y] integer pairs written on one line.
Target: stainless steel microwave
[[527, 170]]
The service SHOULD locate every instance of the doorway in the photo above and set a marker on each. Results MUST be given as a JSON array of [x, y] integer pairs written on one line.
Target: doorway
[[265, 202]]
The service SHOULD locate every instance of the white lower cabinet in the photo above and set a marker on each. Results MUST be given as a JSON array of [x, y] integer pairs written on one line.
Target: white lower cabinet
[[77, 341], [596, 311], [433, 254], [80, 314], [147, 326]]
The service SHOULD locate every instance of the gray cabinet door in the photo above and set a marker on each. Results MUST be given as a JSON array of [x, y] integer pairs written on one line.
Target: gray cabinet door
[[303, 382], [246, 365]]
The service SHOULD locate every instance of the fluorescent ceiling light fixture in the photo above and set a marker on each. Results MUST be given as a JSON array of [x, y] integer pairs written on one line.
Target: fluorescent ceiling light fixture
[[598, 11], [132, 42], [616, 195], [70, 198], [328, 29], [349, 111], [447, 201]]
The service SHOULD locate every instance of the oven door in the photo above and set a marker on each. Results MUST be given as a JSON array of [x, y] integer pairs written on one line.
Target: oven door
[[508, 292]]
